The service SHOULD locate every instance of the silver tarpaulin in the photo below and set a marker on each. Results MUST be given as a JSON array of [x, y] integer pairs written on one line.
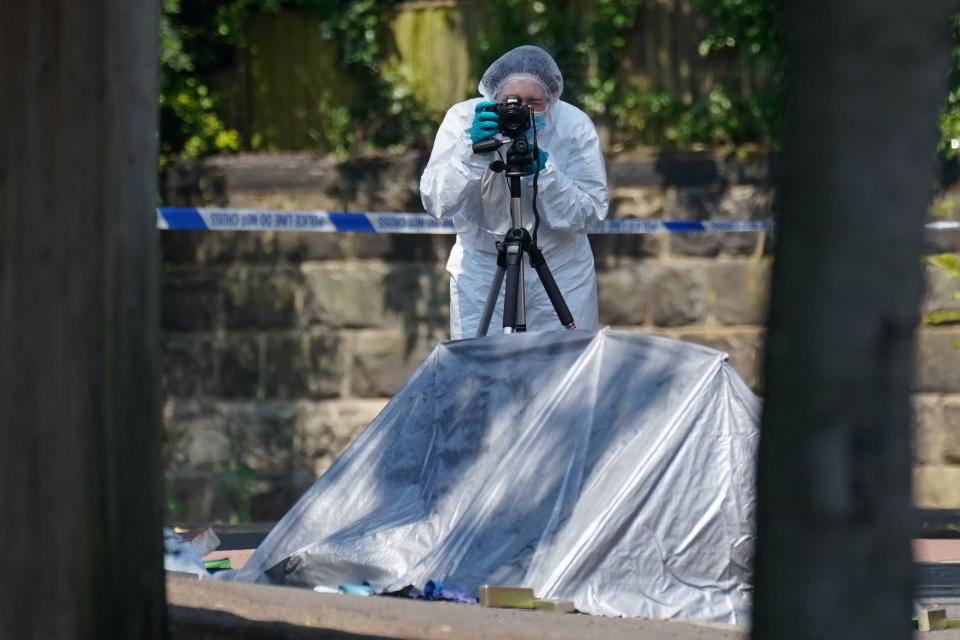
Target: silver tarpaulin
[[613, 469]]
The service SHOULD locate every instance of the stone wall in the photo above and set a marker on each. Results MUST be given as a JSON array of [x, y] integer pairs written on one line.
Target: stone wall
[[280, 347]]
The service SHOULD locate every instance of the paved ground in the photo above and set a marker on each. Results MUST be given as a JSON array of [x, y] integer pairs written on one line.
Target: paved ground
[[209, 610], [212, 610]]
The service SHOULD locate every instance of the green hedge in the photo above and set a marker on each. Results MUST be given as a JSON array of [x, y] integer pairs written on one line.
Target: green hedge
[[670, 73]]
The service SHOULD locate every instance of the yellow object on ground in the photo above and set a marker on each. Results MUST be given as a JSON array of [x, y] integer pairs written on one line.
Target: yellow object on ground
[[508, 597], [554, 606]]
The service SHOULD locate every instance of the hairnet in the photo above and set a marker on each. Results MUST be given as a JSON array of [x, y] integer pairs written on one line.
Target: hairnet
[[527, 61]]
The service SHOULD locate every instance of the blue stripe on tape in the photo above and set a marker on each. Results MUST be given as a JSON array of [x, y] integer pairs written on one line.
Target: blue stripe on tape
[[351, 222], [683, 226], [182, 218]]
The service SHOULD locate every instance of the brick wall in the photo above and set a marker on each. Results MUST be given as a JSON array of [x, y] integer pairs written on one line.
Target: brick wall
[[280, 347]]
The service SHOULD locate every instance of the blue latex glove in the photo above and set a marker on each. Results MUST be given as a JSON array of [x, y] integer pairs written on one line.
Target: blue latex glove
[[533, 167], [485, 123]]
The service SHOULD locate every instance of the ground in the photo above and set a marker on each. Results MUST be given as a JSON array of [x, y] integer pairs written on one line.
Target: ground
[[210, 610]]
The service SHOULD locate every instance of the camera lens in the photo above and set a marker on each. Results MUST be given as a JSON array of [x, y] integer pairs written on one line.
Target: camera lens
[[514, 118]]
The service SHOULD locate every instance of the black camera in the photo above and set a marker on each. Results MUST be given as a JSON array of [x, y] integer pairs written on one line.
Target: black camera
[[514, 116]]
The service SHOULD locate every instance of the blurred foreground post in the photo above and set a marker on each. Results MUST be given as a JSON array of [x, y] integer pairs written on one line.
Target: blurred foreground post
[[866, 79], [80, 493]]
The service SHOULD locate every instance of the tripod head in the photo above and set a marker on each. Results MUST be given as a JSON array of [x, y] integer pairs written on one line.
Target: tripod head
[[519, 156]]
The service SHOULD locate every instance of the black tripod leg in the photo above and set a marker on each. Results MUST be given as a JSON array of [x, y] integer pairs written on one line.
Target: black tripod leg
[[514, 256], [491, 303], [550, 286], [494, 292]]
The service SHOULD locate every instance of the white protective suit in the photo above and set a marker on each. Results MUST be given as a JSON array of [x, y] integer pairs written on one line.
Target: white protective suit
[[572, 197]]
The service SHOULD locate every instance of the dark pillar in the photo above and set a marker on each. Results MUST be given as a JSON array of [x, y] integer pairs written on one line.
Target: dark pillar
[[866, 79], [80, 491]]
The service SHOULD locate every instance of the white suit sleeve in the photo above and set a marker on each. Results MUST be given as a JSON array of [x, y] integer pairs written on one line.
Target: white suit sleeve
[[457, 180], [575, 199]]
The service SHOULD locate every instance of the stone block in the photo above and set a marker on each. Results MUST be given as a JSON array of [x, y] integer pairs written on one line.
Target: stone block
[[246, 247], [325, 429], [636, 202], [679, 294], [276, 197], [382, 183], [710, 244], [418, 292], [304, 247], [191, 183], [745, 202], [769, 242], [613, 250], [739, 243], [938, 360], [664, 168], [403, 247], [936, 487], [238, 361], [743, 346], [742, 291], [202, 498], [374, 294], [942, 241], [942, 292], [179, 247], [196, 498], [189, 300], [432, 300], [383, 360], [928, 429], [746, 166], [261, 299], [700, 245], [220, 248], [195, 437], [946, 207], [187, 367], [261, 436], [736, 202], [303, 365], [951, 430], [228, 461], [346, 294], [623, 296], [693, 203], [279, 497]]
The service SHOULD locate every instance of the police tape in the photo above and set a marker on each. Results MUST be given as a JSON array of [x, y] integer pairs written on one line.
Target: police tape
[[208, 219]]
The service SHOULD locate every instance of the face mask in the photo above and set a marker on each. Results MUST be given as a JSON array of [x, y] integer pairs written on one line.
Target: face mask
[[540, 120]]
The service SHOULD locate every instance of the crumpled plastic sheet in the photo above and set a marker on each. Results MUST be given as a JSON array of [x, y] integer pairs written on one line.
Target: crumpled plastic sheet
[[186, 556], [612, 469]]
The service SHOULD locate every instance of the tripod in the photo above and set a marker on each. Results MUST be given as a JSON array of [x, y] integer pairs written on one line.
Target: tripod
[[510, 251]]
